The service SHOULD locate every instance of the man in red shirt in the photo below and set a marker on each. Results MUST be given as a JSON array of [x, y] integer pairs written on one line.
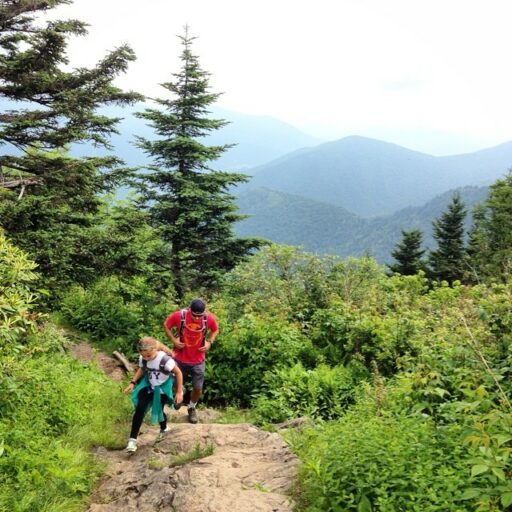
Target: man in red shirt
[[192, 331]]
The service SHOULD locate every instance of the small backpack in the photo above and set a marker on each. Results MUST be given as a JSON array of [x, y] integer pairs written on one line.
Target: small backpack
[[204, 326], [161, 366]]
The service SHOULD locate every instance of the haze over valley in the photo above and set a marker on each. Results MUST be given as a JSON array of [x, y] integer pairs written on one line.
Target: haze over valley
[[347, 197]]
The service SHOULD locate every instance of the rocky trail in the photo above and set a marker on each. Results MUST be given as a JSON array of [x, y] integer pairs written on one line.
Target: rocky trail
[[207, 467]]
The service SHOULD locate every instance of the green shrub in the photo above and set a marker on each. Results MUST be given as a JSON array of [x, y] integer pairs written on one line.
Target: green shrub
[[342, 334], [53, 410], [247, 349], [116, 313], [387, 464], [17, 296], [321, 393]]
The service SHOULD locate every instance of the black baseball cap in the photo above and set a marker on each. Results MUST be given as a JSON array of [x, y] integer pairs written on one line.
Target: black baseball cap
[[197, 306]]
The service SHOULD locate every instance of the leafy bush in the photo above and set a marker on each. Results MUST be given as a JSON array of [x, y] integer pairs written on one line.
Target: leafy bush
[[363, 463], [248, 349], [116, 313], [438, 435], [52, 410], [17, 296], [279, 278], [384, 329], [322, 393]]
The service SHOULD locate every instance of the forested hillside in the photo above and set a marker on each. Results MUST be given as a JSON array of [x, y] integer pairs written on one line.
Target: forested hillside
[[323, 228], [400, 376], [374, 178]]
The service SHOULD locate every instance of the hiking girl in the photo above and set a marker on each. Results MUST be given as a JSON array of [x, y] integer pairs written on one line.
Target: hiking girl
[[151, 387]]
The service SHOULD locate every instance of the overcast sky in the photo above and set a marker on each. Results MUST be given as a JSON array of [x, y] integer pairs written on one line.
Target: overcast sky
[[432, 75]]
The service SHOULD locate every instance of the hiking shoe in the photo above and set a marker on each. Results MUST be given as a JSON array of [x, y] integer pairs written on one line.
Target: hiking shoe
[[177, 405], [131, 447], [192, 415], [162, 434]]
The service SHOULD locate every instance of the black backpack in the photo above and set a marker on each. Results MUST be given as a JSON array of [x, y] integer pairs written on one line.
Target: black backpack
[[161, 366]]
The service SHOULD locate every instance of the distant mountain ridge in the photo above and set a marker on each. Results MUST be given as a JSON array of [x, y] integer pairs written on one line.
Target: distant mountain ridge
[[256, 139], [374, 178], [327, 229]]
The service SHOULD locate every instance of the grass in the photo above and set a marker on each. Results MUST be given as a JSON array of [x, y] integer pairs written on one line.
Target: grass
[[256, 487], [198, 452], [156, 463], [232, 415]]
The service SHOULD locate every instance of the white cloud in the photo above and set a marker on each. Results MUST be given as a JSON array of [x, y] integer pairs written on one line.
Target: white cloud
[[336, 66]]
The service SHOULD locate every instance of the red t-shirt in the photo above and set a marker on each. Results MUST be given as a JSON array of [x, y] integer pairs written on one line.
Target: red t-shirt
[[192, 335]]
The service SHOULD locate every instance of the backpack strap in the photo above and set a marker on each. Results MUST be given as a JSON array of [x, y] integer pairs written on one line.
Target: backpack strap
[[163, 362], [161, 366], [182, 321], [204, 323]]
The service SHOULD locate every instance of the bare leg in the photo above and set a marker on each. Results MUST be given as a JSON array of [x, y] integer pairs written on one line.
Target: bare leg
[[195, 395]]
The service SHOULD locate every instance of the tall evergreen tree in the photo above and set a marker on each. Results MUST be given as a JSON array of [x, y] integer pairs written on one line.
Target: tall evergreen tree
[[449, 261], [490, 246], [50, 197], [190, 202], [408, 254]]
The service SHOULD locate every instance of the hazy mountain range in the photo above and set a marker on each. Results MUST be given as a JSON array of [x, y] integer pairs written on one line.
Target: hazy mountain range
[[347, 197], [373, 178], [256, 139], [355, 195]]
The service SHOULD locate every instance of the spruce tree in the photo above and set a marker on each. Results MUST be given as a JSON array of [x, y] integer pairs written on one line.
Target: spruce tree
[[49, 197], [408, 254], [449, 261], [189, 202], [490, 242]]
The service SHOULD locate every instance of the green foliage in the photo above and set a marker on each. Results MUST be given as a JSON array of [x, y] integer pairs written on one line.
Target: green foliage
[[115, 313], [491, 239], [374, 322], [17, 296], [51, 106], [408, 254], [437, 435], [281, 280], [121, 243], [365, 462], [251, 347], [321, 393], [53, 410]]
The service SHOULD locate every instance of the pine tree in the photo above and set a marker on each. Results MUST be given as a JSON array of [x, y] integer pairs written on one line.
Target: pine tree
[[408, 254], [449, 261], [490, 242], [190, 202], [50, 197]]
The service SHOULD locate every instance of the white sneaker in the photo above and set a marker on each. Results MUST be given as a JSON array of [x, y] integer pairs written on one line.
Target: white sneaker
[[131, 447], [162, 434]]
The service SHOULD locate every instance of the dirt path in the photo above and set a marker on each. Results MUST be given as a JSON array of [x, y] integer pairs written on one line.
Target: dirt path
[[240, 468]]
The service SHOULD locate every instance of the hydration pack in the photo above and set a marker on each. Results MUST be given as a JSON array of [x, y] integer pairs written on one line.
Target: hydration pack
[[204, 322]]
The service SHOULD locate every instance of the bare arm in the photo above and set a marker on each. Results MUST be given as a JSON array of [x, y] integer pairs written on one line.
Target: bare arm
[[209, 342], [172, 338], [137, 376], [179, 384]]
